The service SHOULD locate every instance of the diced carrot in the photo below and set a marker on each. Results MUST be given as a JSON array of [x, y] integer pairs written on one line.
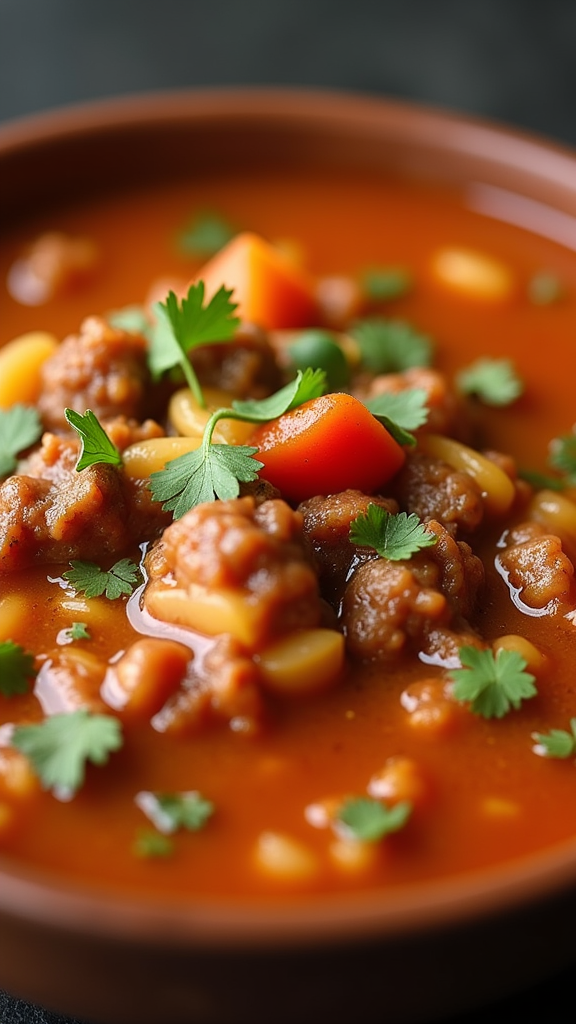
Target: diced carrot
[[269, 288]]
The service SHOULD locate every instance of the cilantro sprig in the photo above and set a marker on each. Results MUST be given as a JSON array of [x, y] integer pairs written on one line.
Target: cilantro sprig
[[493, 381], [393, 536], [60, 747], [16, 669], [492, 683], [557, 743], [391, 346], [216, 470], [401, 412], [96, 446], [368, 820], [563, 457], [186, 325], [206, 233], [20, 427], [89, 578], [382, 284], [170, 812]]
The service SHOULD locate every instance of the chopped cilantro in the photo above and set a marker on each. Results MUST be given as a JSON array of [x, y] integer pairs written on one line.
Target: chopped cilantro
[[381, 284], [20, 427], [492, 683], [545, 288], [493, 381], [539, 480], [401, 412], [132, 319], [563, 456], [391, 346], [370, 820], [150, 844], [59, 747], [94, 581], [393, 536], [206, 233], [186, 325], [96, 445], [215, 470], [16, 669], [556, 743], [169, 812], [77, 631]]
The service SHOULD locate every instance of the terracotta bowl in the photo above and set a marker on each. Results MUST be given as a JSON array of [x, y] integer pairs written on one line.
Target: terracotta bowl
[[406, 956]]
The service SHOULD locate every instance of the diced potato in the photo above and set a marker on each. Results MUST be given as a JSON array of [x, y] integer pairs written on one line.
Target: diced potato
[[284, 858], [535, 660], [430, 709], [14, 617], [353, 857], [95, 611], [473, 274], [304, 661], [150, 456], [140, 682], [210, 611], [270, 290], [499, 807], [17, 778], [400, 778], [556, 513], [20, 367], [188, 418]]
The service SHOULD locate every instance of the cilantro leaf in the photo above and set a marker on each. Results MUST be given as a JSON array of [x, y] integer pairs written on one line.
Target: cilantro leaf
[[556, 743], [16, 669], [77, 631], [198, 476], [370, 820], [306, 385], [206, 234], [493, 381], [20, 427], [545, 288], [132, 319], [393, 536], [493, 683], [215, 470], [391, 346], [59, 747], [169, 812], [540, 480], [96, 445], [149, 843], [186, 325], [381, 284], [563, 456], [94, 581], [401, 412]]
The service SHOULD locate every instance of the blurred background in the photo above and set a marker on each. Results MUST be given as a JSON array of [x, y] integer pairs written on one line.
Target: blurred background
[[510, 60], [513, 61]]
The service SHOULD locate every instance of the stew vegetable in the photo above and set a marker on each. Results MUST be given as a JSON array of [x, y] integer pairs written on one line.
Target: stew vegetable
[[287, 539]]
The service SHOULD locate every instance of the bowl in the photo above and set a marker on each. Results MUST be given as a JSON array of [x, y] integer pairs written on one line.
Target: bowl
[[419, 951]]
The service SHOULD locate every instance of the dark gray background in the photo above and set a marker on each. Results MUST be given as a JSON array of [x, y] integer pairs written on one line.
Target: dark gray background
[[509, 60]]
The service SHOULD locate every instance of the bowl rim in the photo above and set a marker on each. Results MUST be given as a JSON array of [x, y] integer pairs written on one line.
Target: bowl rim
[[32, 895]]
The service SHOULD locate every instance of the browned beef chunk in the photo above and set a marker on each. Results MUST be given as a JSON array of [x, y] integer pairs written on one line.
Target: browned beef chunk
[[433, 490], [246, 367], [101, 368], [446, 413], [327, 528], [536, 568]]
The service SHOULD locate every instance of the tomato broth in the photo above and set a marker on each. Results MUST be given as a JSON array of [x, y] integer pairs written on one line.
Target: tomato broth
[[479, 794]]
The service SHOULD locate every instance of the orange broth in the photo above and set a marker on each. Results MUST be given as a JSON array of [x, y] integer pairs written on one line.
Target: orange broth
[[318, 746]]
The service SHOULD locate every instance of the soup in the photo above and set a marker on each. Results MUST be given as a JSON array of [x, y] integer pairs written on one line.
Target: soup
[[275, 706]]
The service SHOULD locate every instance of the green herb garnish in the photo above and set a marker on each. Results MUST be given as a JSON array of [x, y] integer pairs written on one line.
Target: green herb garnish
[[150, 844], [16, 669], [20, 427], [206, 234], [382, 284], [492, 381], [216, 470], [563, 457], [186, 325], [545, 288], [96, 445], [89, 578], [77, 631], [370, 820], [401, 412], [391, 346], [393, 536], [132, 319], [169, 812], [556, 743], [492, 683], [59, 747]]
